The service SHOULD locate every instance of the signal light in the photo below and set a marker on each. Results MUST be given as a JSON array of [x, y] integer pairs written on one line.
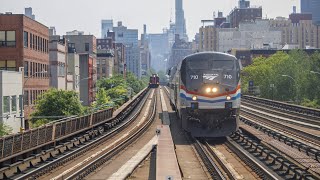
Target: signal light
[[208, 90], [214, 89]]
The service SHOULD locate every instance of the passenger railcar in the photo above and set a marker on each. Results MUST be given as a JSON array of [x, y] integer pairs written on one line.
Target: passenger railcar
[[154, 81], [205, 91]]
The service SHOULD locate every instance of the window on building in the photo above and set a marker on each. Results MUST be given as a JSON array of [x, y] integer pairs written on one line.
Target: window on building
[[34, 92], [40, 44], [2, 65], [36, 43], [25, 39], [31, 68], [33, 42], [9, 65], [40, 70], [46, 46], [37, 70], [86, 45], [30, 45], [26, 98], [2, 38], [20, 102], [11, 38], [61, 69], [43, 45], [26, 68], [13, 103], [6, 104], [7, 38]]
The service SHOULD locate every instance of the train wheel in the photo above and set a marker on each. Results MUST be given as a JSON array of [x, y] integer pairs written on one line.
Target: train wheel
[[184, 121]]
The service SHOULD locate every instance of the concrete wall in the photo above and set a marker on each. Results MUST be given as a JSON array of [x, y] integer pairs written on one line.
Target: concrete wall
[[73, 72], [57, 57], [84, 83], [80, 40], [11, 85]]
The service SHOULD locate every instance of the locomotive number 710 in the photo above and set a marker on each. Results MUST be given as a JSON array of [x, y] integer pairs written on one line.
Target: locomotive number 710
[[227, 76], [194, 77]]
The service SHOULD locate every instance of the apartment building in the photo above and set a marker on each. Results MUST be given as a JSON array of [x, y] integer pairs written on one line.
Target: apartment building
[[24, 42]]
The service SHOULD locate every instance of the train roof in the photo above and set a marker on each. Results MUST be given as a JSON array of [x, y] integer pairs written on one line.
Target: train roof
[[210, 53]]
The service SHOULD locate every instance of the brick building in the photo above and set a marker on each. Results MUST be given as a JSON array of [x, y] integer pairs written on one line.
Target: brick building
[[240, 14], [117, 49], [24, 43]]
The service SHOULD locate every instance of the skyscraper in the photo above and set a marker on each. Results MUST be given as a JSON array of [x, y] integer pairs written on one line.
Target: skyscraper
[[129, 37], [28, 13], [311, 6], [306, 6], [180, 21], [106, 25]]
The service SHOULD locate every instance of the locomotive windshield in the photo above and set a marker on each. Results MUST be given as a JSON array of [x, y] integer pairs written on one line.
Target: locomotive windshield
[[207, 65], [205, 69]]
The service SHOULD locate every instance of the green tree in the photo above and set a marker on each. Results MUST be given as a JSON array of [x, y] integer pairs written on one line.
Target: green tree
[[134, 82], [4, 129], [117, 88], [162, 76], [278, 69], [56, 102], [102, 99], [109, 83]]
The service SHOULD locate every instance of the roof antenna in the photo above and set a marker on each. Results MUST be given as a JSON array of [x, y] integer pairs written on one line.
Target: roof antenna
[[170, 15]]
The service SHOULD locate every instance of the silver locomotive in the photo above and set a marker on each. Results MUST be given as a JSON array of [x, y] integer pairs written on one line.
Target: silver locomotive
[[205, 91]]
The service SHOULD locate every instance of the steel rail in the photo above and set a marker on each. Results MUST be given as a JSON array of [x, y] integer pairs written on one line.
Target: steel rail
[[87, 169], [40, 170]]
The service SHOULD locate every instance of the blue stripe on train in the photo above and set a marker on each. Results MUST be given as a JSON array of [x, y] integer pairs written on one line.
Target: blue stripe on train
[[210, 101]]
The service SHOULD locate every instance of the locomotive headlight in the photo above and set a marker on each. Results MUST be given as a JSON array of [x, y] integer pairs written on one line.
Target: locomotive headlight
[[208, 90], [214, 89], [228, 98], [194, 98]]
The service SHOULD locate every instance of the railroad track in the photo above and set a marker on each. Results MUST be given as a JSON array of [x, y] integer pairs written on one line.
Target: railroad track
[[93, 162], [312, 151], [276, 161], [312, 120], [217, 166], [304, 134], [51, 163], [266, 160], [285, 107]]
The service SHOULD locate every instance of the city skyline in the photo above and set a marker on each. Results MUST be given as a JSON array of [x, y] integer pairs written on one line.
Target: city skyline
[[133, 14]]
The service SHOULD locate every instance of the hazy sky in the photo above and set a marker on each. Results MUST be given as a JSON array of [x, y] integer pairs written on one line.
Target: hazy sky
[[86, 15]]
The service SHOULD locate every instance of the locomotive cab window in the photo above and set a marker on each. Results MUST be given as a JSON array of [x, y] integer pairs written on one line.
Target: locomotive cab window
[[223, 64]]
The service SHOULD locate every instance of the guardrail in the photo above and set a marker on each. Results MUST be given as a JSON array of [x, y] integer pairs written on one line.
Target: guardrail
[[35, 138], [20, 143], [285, 106]]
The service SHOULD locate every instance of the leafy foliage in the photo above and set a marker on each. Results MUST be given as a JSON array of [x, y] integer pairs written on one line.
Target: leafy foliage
[[162, 76], [302, 88], [102, 99], [118, 89], [56, 102], [4, 129]]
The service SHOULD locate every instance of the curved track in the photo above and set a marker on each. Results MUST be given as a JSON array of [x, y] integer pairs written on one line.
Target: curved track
[[76, 153]]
